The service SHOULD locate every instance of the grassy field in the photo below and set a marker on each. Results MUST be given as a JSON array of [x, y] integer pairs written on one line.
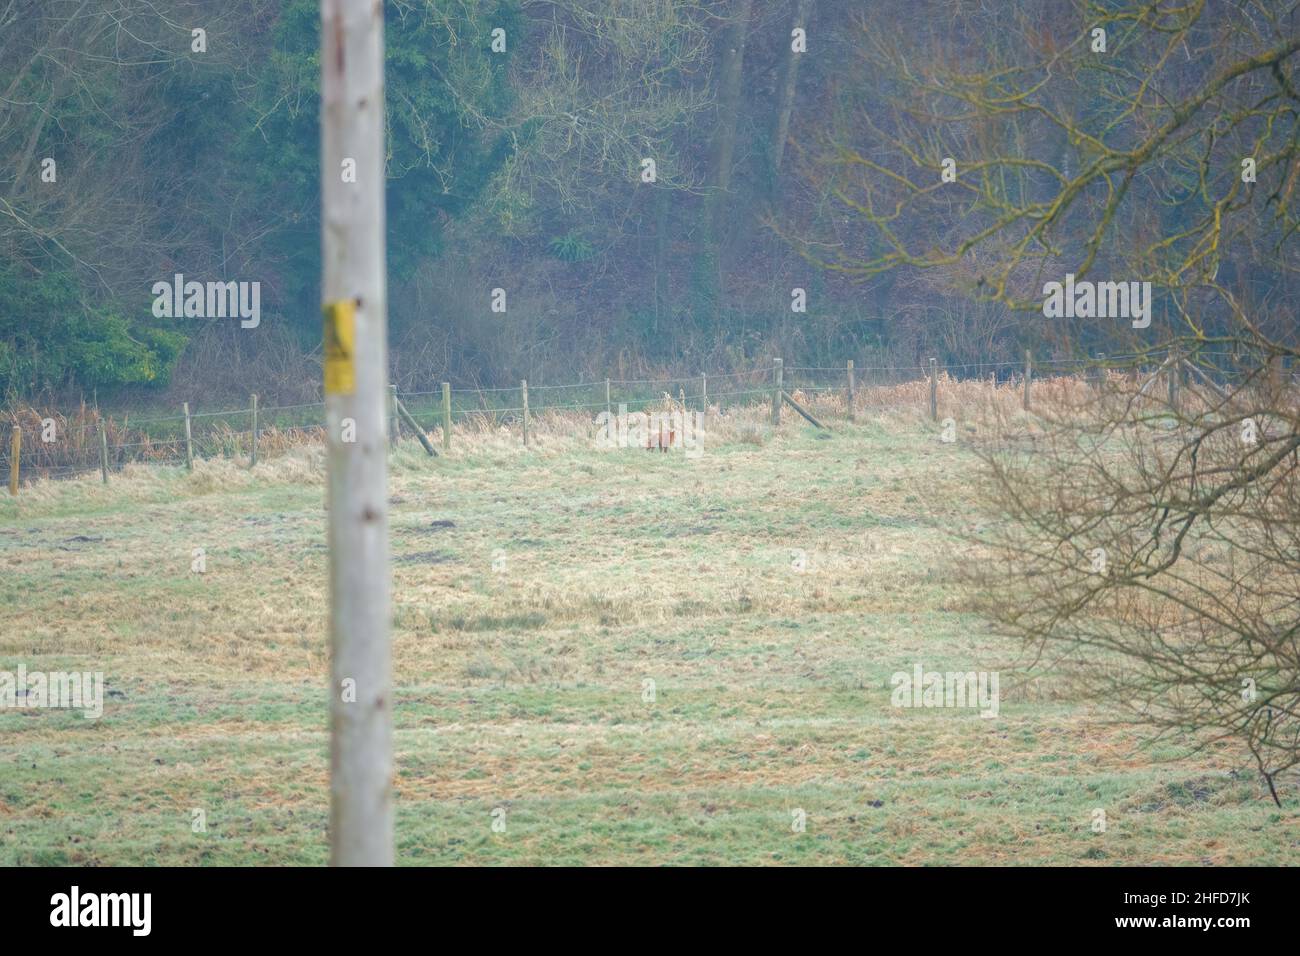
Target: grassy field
[[535, 594]]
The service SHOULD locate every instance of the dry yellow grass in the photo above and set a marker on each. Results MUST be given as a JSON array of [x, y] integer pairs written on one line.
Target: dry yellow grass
[[535, 591]]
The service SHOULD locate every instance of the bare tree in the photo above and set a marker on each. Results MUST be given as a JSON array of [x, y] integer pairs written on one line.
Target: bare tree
[[1150, 532], [1146, 540]]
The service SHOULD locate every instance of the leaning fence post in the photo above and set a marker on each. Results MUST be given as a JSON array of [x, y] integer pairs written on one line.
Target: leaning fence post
[[1029, 375], [446, 416], [853, 411], [416, 429], [15, 452], [776, 391], [103, 452], [253, 463], [523, 387], [189, 439], [934, 391]]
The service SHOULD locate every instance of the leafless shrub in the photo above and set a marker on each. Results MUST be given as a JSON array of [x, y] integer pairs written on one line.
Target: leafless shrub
[[1152, 551]]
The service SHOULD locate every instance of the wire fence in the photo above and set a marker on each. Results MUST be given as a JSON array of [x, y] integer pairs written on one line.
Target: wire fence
[[54, 446]]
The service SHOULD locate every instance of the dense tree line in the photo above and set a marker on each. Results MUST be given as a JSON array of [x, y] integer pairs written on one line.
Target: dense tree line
[[520, 133]]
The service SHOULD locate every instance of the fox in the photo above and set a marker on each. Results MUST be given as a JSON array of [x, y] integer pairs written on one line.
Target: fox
[[664, 436]]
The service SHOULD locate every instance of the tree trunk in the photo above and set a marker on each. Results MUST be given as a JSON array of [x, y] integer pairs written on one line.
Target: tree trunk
[[724, 148], [733, 60], [661, 250], [785, 104]]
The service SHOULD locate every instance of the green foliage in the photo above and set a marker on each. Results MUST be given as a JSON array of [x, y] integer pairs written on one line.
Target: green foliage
[[223, 178], [436, 82], [571, 247], [50, 339], [209, 165]]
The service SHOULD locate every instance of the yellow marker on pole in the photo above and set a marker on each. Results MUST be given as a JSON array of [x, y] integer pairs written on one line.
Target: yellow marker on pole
[[340, 338]]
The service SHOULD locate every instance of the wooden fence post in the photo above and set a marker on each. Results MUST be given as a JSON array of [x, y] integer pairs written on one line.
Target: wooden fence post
[[523, 387], [253, 463], [394, 418], [1175, 372], [609, 409], [103, 452], [934, 391], [189, 439], [1029, 376], [1100, 377], [777, 370], [446, 416], [704, 398], [15, 453], [853, 410]]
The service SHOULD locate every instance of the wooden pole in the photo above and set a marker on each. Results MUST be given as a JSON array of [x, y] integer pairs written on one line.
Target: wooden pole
[[1152, 377], [934, 391], [609, 408], [253, 463], [1029, 377], [704, 398], [355, 300], [394, 419], [189, 439], [523, 387], [446, 416], [853, 398], [15, 453], [776, 391], [1175, 371]]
